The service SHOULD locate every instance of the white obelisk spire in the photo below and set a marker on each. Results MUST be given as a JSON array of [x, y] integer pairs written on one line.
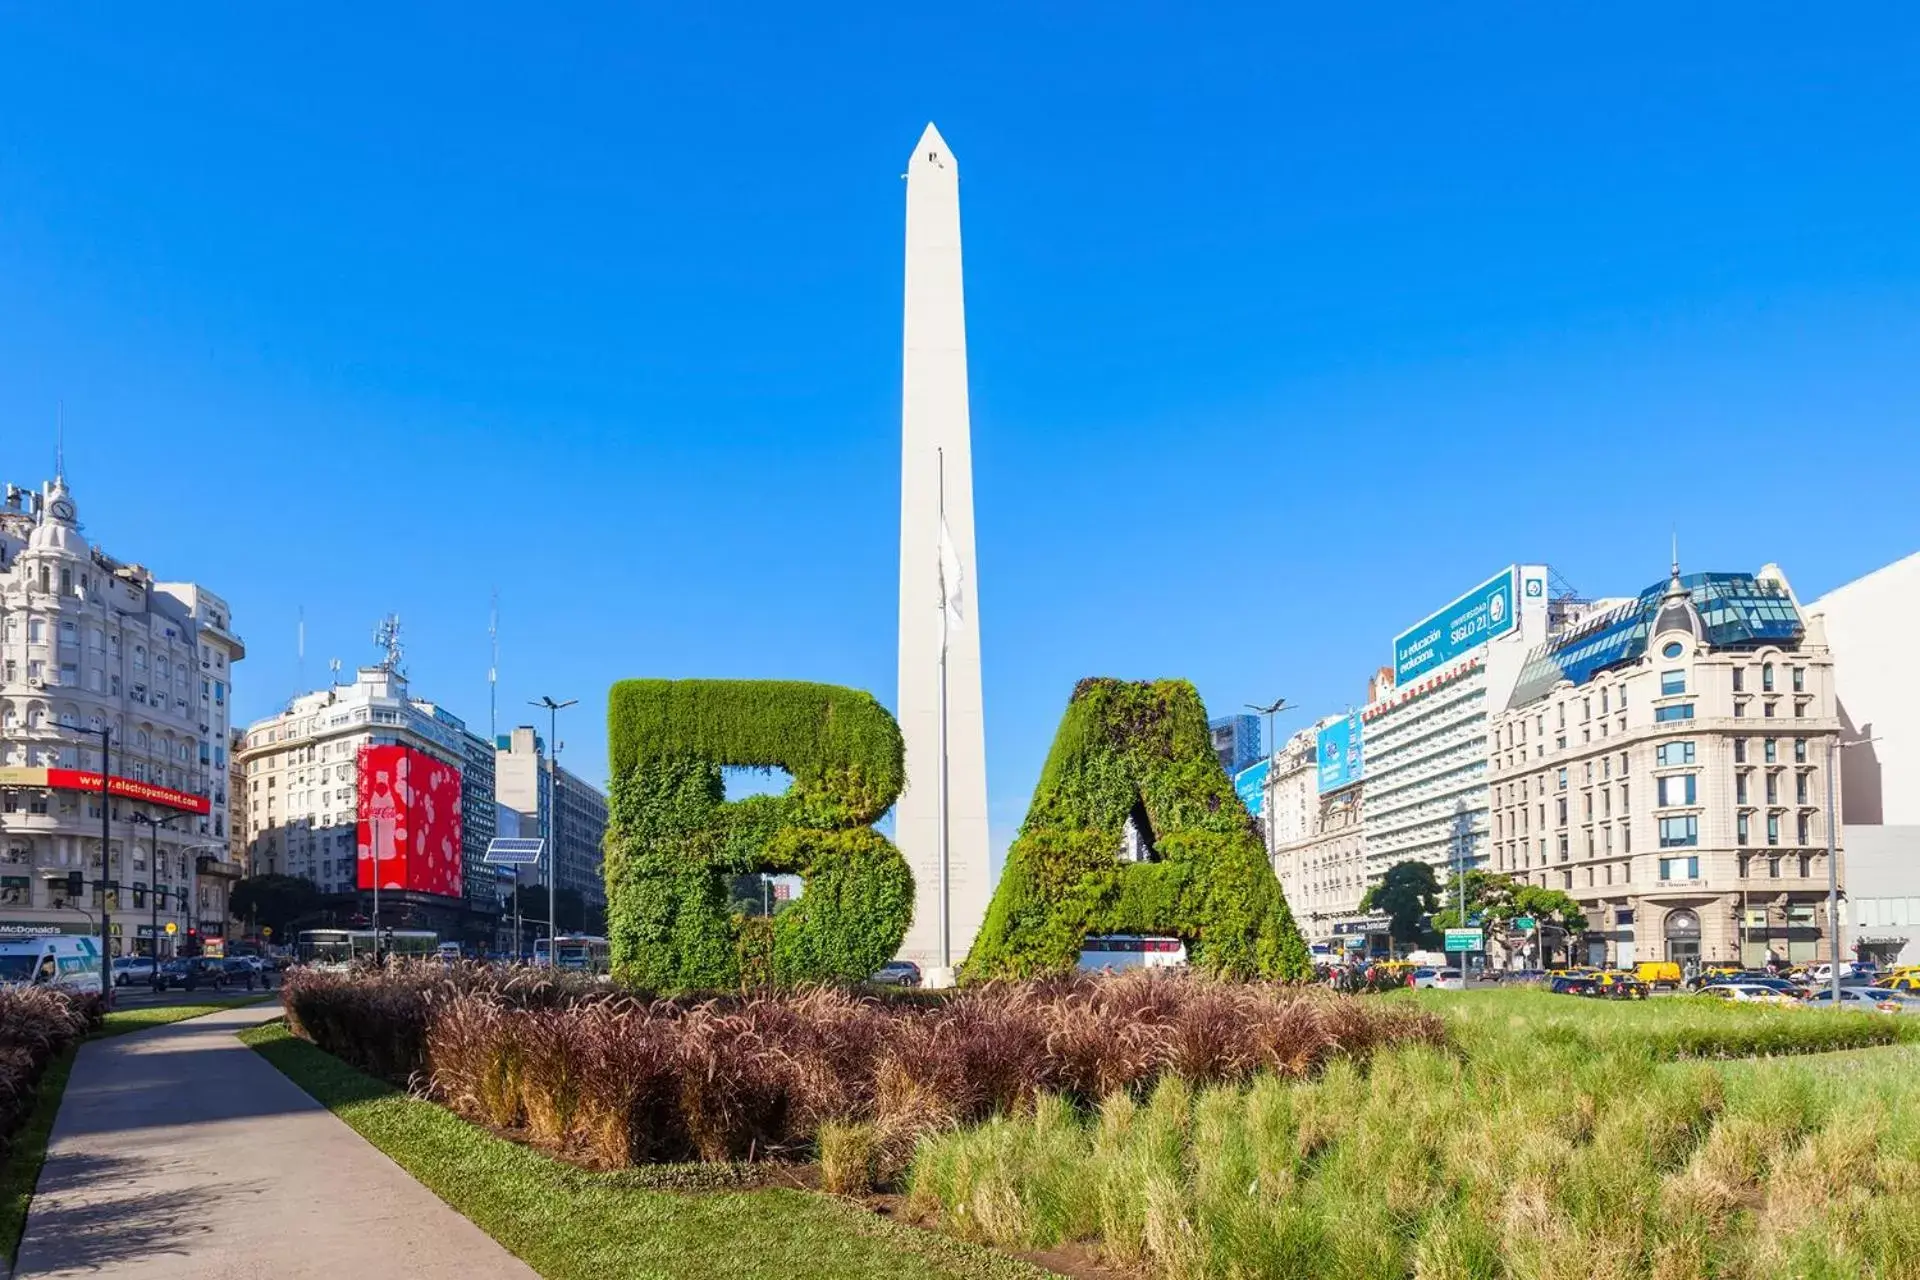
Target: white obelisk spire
[[939, 584]]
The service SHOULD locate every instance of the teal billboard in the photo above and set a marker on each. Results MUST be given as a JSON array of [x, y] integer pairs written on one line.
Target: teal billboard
[[1338, 750], [1484, 613], [1251, 784]]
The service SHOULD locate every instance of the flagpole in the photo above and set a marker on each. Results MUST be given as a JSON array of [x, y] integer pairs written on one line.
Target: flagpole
[[946, 946]]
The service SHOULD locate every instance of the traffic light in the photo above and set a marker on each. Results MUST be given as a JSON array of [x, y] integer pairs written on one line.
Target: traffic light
[[192, 947], [76, 885]]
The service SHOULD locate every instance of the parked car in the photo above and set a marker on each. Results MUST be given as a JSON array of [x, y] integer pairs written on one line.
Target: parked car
[[1908, 983], [1617, 984], [1571, 984], [1864, 1000], [1431, 979], [190, 973], [132, 969], [240, 972], [897, 973], [1747, 993]]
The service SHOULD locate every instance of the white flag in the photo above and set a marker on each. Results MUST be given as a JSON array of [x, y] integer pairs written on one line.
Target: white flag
[[952, 579]]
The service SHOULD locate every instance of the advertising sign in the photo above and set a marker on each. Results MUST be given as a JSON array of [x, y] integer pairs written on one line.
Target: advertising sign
[[81, 780], [1251, 784], [1465, 940], [1338, 749], [408, 813], [1483, 614]]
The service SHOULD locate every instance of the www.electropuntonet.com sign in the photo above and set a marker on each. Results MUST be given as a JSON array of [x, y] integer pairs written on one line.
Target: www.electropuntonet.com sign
[[1483, 614]]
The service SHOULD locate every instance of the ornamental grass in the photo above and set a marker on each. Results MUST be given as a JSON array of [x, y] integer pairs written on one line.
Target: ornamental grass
[[36, 1025], [618, 1078]]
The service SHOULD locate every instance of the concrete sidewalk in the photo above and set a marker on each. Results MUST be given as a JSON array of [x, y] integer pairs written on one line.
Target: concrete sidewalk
[[180, 1152]]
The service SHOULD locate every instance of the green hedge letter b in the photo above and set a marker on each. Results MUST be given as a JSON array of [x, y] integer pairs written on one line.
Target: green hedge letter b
[[674, 842], [1132, 775]]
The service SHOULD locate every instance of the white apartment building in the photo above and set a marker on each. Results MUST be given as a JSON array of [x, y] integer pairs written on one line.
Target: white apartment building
[[576, 834], [1426, 728], [1870, 624], [302, 795], [1664, 762], [1319, 849], [93, 648]]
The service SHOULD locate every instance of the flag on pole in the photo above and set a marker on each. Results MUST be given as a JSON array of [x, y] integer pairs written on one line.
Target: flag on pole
[[952, 578]]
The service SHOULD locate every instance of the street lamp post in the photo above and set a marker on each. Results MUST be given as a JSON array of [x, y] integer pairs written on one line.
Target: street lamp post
[[553, 817], [1273, 754], [153, 892], [1833, 866], [105, 734]]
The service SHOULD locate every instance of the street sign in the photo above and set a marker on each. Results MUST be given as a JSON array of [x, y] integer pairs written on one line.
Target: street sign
[[514, 851], [1523, 923], [172, 928], [1465, 940]]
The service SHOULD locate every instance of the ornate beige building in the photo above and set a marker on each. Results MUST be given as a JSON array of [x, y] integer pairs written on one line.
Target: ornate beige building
[[1664, 762]]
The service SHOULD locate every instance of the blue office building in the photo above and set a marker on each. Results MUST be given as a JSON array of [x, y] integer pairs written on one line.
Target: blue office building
[[1236, 741]]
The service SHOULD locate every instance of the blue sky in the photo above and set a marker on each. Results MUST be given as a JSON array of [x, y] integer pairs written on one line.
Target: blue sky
[[1286, 325]]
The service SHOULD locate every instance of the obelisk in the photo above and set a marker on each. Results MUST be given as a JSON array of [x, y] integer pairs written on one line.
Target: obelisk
[[936, 479]]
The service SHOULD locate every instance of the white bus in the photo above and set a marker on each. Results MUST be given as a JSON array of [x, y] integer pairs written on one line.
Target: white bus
[[580, 952], [338, 948], [1131, 951]]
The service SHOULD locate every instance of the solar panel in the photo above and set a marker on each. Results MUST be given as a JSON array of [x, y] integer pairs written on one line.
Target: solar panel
[[514, 851]]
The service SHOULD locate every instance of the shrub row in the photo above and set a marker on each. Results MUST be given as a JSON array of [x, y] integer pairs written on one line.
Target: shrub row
[[620, 1080], [36, 1024]]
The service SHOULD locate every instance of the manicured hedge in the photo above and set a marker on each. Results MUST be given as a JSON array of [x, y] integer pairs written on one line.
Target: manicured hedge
[[1143, 749], [674, 842]]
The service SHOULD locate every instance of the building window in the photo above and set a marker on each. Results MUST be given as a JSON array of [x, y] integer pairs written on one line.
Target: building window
[[1800, 788], [1680, 868], [1560, 812], [1624, 806], [1670, 754], [1799, 750], [1805, 825], [1771, 751], [1799, 709], [1562, 847], [1603, 702], [1739, 709], [1768, 709], [1773, 868], [1673, 649], [1742, 834], [1672, 682], [1799, 679], [1773, 828], [1773, 788], [1679, 832], [1679, 711], [1740, 789], [1766, 678], [1739, 750], [1739, 679], [1676, 790], [1561, 779]]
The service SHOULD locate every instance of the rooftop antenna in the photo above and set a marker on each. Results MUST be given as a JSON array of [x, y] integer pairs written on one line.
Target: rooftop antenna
[[1676, 553], [387, 636], [493, 670], [60, 443], [333, 670]]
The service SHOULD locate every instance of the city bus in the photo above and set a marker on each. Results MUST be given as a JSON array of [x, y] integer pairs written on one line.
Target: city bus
[[580, 952], [1131, 951], [338, 948]]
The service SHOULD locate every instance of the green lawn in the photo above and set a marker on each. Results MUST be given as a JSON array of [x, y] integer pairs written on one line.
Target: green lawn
[[21, 1171], [569, 1224]]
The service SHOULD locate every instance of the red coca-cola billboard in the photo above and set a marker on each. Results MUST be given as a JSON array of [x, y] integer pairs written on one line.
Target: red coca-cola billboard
[[409, 815]]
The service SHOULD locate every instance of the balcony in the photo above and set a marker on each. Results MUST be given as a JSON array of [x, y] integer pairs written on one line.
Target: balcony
[[213, 865]]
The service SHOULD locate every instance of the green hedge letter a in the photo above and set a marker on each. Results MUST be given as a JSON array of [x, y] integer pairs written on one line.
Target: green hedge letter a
[[674, 843], [1135, 828]]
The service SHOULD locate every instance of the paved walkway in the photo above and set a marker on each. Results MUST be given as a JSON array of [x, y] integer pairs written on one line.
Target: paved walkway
[[180, 1152]]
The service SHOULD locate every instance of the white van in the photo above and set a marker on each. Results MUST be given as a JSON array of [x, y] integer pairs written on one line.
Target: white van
[[59, 960]]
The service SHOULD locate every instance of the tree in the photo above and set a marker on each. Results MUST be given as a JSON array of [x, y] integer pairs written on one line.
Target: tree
[[1489, 899], [1407, 895], [275, 901]]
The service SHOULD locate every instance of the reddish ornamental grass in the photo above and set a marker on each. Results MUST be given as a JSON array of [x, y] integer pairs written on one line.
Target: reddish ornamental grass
[[36, 1023], [618, 1078]]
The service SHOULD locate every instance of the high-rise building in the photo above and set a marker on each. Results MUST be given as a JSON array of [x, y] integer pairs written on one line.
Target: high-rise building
[[939, 584], [526, 785], [91, 646], [1236, 741], [311, 775], [1663, 762], [1426, 729]]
